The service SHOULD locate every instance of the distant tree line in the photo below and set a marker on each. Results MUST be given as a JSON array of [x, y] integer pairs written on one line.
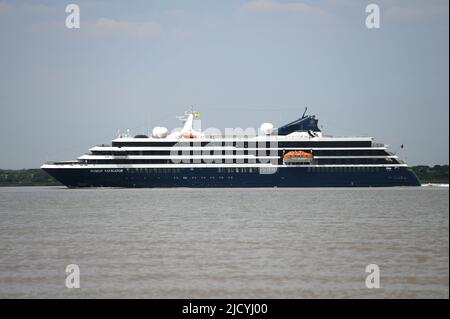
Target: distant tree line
[[26, 177], [37, 177], [434, 174]]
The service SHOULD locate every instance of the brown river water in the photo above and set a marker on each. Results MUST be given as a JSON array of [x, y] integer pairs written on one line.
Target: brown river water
[[224, 243]]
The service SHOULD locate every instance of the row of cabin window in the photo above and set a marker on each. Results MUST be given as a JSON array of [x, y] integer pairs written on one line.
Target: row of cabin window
[[191, 152], [182, 161], [179, 170], [331, 161], [245, 152], [325, 161], [344, 169], [247, 144]]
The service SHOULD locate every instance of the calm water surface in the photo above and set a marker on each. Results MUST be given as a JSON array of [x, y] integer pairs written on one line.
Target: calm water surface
[[221, 243]]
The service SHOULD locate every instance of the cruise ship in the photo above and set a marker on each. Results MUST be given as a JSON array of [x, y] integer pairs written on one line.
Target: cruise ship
[[297, 154]]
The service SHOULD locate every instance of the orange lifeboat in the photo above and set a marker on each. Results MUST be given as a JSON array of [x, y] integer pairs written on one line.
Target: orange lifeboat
[[298, 157], [298, 154]]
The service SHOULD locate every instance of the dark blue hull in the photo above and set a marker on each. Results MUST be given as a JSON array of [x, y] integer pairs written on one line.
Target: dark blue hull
[[214, 177]]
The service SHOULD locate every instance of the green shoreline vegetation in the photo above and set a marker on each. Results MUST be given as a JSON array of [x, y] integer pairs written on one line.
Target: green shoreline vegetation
[[437, 174], [27, 177]]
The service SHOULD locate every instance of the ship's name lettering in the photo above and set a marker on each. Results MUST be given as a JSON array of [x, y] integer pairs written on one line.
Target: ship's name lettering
[[106, 170]]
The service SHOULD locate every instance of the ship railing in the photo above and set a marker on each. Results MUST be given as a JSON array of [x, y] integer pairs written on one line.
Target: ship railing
[[390, 153], [231, 137], [378, 145], [62, 163], [103, 145]]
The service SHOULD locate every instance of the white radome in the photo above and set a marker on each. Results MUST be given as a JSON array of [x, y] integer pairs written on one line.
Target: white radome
[[160, 132], [266, 128]]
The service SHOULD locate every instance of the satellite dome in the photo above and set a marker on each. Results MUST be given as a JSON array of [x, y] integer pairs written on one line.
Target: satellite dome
[[160, 132], [266, 128]]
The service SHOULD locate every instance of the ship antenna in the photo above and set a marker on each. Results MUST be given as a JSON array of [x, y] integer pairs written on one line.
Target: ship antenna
[[306, 109]]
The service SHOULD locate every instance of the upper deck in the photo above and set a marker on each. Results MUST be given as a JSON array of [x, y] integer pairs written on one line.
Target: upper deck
[[246, 142]]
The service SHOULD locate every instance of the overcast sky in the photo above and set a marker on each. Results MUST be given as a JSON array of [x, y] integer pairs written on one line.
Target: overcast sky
[[138, 64]]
